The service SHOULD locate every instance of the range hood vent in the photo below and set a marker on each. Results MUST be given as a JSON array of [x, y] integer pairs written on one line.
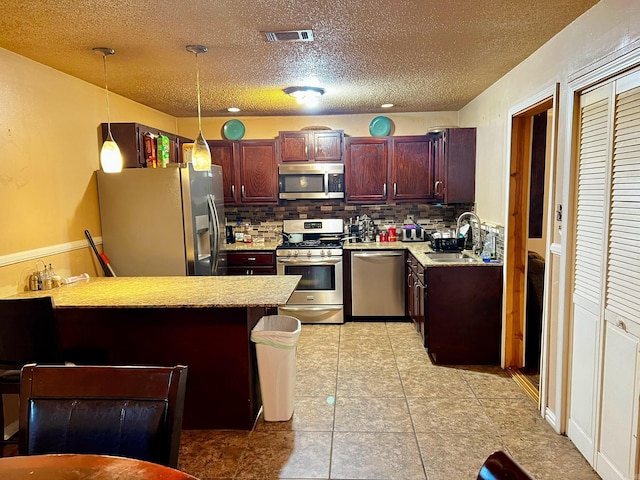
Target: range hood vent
[[290, 36]]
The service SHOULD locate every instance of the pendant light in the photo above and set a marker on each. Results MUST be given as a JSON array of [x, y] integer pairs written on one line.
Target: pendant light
[[110, 156], [200, 154]]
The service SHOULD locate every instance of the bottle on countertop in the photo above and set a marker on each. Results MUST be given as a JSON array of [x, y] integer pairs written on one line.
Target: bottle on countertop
[[33, 282], [489, 248], [47, 283], [55, 278]]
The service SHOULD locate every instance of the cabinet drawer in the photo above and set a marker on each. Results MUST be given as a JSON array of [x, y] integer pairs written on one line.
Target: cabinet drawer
[[249, 259], [251, 271]]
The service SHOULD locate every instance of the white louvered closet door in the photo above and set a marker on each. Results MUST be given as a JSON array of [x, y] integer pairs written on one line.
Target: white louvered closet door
[[592, 185], [618, 429]]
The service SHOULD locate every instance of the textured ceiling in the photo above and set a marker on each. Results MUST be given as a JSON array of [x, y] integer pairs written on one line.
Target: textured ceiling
[[421, 55]]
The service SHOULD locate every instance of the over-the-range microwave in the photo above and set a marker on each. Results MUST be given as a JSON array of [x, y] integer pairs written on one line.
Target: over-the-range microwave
[[311, 180]]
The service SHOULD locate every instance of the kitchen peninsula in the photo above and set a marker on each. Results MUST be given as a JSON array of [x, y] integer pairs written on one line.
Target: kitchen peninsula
[[202, 322]]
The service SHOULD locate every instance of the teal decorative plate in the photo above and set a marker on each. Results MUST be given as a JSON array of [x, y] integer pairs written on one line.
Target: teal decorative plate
[[233, 130], [380, 127]]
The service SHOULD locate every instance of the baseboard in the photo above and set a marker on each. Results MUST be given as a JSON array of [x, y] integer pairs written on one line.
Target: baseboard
[[525, 384]]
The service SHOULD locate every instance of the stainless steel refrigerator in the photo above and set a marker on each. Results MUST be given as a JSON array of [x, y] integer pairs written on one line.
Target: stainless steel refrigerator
[[163, 221]]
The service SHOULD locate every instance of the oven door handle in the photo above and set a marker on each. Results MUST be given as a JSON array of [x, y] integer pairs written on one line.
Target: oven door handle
[[310, 262]]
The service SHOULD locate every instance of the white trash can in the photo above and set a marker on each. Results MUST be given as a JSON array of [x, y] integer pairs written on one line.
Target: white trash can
[[276, 338]]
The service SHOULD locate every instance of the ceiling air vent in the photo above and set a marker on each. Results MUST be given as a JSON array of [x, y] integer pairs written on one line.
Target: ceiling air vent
[[290, 36]]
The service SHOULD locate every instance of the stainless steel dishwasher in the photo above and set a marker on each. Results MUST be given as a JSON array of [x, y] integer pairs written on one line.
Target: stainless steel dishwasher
[[377, 283]]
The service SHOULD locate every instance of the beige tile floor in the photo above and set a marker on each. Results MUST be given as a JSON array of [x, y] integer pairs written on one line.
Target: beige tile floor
[[370, 405]]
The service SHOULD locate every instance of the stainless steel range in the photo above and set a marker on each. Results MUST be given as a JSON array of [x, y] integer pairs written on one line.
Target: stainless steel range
[[313, 249]]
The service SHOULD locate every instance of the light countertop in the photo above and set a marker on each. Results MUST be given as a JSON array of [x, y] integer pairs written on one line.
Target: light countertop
[[173, 292], [418, 249], [247, 247]]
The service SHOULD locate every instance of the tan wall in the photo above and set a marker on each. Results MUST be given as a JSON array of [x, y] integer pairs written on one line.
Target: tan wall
[[605, 28], [609, 26], [50, 150], [353, 125]]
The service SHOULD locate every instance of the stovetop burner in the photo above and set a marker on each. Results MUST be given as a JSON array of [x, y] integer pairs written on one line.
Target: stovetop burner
[[311, 244]]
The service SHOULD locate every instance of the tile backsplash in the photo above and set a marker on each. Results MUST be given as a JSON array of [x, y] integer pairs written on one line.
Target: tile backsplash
[[266, 221], [440, 216]]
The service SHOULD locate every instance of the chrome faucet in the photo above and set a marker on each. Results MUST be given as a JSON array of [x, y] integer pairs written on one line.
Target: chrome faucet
[[476, 232]]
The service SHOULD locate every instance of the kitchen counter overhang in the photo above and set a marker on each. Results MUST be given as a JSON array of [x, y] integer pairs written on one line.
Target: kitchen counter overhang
[[173, 292], [202, 322]]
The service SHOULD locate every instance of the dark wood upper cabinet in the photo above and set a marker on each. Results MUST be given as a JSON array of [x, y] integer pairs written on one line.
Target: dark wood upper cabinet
[[366, 169], [311, 146], [411, 169], [222, 153], [258, 171], [130, 140], [395, 169], [454, 152]]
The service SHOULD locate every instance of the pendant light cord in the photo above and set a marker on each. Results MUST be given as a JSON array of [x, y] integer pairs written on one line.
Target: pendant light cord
[[106, 87], [198, 90]]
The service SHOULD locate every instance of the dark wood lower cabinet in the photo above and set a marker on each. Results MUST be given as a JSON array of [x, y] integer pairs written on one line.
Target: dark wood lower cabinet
[[251, 263], [222, 381], [463, 314]]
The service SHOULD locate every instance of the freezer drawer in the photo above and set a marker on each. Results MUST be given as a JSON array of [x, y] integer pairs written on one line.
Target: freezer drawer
[[377, 284]]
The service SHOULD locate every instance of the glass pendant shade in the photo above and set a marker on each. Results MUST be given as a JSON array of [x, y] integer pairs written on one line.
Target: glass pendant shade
[[200, 154], [110, 156]]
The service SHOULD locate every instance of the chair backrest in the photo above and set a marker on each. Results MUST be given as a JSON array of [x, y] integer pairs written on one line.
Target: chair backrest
[[501, 466], [28, 332], [131, 412]]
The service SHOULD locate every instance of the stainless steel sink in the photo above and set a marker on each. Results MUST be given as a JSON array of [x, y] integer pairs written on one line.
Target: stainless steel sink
[[450, 257]]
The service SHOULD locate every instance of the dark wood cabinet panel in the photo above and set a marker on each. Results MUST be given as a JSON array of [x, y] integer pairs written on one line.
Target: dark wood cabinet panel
[[311, 146], [412, 169], [327, 146], [454, 165], [251, 263], [222, 153], [416, 294], [258, 174], [463, 314], [130, 140], [366, 169], [294, 147]]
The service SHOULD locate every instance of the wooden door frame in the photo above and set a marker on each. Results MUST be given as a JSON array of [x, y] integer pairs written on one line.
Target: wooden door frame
[[516, 230]]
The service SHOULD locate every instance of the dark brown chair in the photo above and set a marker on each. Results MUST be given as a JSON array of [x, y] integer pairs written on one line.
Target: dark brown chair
[[28, 334], [501, 466], [131, 412]]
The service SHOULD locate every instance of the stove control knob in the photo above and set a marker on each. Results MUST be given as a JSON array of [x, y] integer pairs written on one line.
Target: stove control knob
[[295, 253], [308, 253], [323, 253], [329, 253], [289, 253]]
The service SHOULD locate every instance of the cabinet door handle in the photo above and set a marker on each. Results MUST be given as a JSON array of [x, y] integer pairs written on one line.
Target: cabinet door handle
[[242, 191], [233, 191], [251, 259], [435, 186], [384, 190], [395, 189], [622, 325]]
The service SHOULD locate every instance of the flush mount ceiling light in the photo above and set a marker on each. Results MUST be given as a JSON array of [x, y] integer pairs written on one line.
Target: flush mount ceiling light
[[305, 95], [200, 154], [233, 109], [110, 156], [387, 105]]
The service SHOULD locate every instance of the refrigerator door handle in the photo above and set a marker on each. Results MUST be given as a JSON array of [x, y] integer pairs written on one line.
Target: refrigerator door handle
[[214, 234]]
